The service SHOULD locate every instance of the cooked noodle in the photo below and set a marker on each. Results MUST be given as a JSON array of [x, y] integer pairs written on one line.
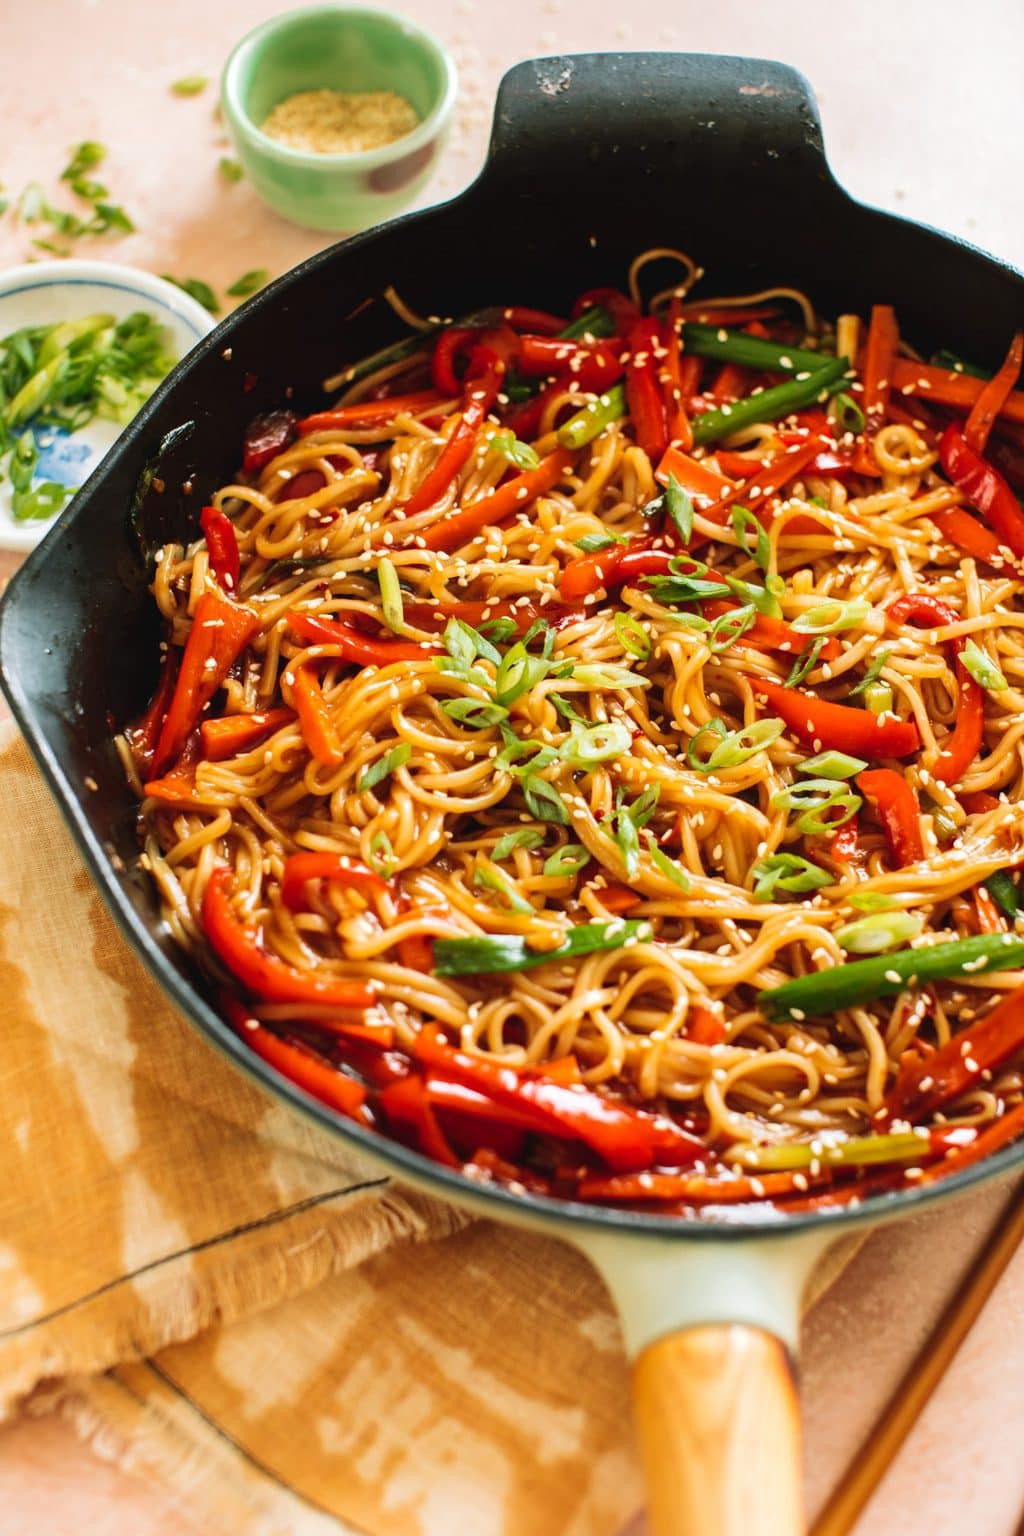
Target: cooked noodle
[[669, 1020]]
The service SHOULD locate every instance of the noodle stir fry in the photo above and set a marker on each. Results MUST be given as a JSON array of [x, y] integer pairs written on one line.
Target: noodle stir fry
[[591, 751]]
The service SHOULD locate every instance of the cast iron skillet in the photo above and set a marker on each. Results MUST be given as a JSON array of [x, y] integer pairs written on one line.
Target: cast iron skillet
[[592, 159]]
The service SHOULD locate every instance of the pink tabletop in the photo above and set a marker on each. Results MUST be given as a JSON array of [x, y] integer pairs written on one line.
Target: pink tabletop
[[921, 115]]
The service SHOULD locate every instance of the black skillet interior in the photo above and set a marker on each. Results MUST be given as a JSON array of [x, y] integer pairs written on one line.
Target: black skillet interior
[[593, 158]]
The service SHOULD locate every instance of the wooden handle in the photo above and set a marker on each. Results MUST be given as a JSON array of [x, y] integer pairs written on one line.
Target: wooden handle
[[719, 1425]]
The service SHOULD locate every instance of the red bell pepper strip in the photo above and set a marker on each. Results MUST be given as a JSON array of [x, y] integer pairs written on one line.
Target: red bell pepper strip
[[144, 734], [178, 785], [993, 397], [434, 616], [594, 365], [416, 953], [240, 948], [222, 547], [221, 629], [899, 810], [680, 378], [367, 413], [525, 421], [623, 312], [318, 731], [690, 1188], [768, 633], [960, 528], [480, 393], [643, 395], [930, 1082], [232, 734], [311, 1073], [838, 727], [306, 483], [458, 528], [627, 1139], [300, 868], [697, 477], [730, 383], [582, 578], [879, 357], [356, 647], [538, 321], [942, 386], [978, 803], [963, 746], [407, 1103], [449, 344], [265, 438], [845, 846], [617, 898], [444, 1094], [984, 487]]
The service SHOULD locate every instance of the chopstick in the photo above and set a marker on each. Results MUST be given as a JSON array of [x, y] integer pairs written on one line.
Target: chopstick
[[874, 1457]]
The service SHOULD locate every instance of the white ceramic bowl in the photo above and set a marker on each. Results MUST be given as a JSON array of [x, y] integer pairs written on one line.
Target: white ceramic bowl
[[45, 292]]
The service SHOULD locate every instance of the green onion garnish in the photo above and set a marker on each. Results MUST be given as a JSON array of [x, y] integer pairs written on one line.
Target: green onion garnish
[[679, 508], [805, 662], [832, 765], [510, 952], [591, 421], [390, 596], [495, 879], [590, 744], [852, 1152], [734, 747], [871, 675], [230, 169], [787, 872], [761, 551], [878, 698], [664, 865], [982, 669], [384, 766], [830, 617], [877, 934], [847, 413], [567, 861], [544, 801], [249, 283], [824, 805], [382, 856], [749, 351], [729, 627], [592, 542], [478, 714], [196, 289], [872, 901], [526, 837], [190, 85], [632, 636], [513, 451]]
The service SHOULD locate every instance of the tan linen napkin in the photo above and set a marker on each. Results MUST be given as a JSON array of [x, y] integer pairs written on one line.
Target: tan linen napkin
[[225, 1298]]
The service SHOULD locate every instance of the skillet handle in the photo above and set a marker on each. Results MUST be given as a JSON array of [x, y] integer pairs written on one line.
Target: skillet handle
[[719, 1426], [701, 115]]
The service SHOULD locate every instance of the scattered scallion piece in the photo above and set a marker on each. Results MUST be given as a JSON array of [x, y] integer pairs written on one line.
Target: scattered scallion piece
[[590, 744], [567, 861], [830, 617], [230, 169], [478, 714], [384, 766], [824, 805], [526, 837], [664, 865], [733, 747], [679, 508], [196, 289], [85, 156], [982, 669], [522, 455], [494, 879], [878, 698], [833, 765], [872, 901], [805, 662], [877, 934], [730, 627], [249, 283], [543, 800], [871, 675], [382, 856], [190, 85], [392, 609], [595, 321], [510, 952], [632, 636], [861, 981], [592, 542], [787, 872], [744, 521], [846, 413]]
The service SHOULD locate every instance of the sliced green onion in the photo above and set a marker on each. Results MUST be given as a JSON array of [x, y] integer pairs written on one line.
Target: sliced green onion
[[632, 635], [878, 698], [518, 673], [390, 595], [787, 872], [846, 413], [729, 627], [230, 169], [35, 392], [1004, 893], [592, 542], [384, 766], [70, 334], [24, 458], [629, 819], [805, 662], [872, 901], [544, 801], [591, 421], [249, 283], [832, 765], [568, 860], [590, 744], [982, 669], [475, 713], [41, 502], [566, 710], [817, 800], [679, 508], [684, 587], [196, 289], [84, 157], [666, 866], [527, 837], [761, 598], [536, 754], [510, 952], [513, 451], [770, 404], [861, 981], [877, 934], [829, 618], [382, 856], [871, 675], [852, 1152], [735, 747], [494, 879], [606, 674], [744, 520]]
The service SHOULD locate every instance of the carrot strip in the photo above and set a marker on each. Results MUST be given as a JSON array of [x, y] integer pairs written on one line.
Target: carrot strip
[[318, 729], [232, 734], [459, 527], [369, 412], [944, 387], [696, 476], [879, 356]]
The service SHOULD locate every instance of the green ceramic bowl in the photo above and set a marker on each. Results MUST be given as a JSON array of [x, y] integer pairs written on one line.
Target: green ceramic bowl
[[344, 48]]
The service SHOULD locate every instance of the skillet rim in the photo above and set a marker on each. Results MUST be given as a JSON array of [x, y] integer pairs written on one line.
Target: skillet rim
[[738, 1224]]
